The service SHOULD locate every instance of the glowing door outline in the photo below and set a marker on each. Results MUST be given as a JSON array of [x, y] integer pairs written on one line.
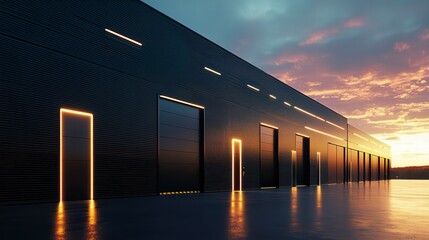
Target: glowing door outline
[[79, 113], [233, 142]]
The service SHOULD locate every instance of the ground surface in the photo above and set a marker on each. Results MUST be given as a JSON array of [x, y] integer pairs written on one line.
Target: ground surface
[[397, 209]]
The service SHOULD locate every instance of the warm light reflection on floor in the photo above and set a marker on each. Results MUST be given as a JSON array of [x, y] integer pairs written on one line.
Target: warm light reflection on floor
[[294, 208], [92, 220], [409, 208], [318, 220], [237, 225], [60, 223]]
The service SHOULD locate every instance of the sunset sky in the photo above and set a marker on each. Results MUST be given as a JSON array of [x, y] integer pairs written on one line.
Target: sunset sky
[[368, 60]]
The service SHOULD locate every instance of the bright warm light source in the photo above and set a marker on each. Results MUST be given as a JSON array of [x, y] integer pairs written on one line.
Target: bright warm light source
[[92, 221], [335, 125], [213, 71], [327, 134], [272, 96], [302, 135], [293, 169], [180, 101], [288, 104], [252, 87], [74, 112], [319, 164], [61, 224], [357, 135], [235, 140], [123, 37], [308, 113], [268, 125]]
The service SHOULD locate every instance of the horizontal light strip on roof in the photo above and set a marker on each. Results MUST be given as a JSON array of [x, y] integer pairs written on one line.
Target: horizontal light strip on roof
[[213, 71], [357, 135], [122, 36], [308, 113], [272, 96], [327, 134], [180, 101], [252, 87], [288, 104], [268, 125], [335, 125]]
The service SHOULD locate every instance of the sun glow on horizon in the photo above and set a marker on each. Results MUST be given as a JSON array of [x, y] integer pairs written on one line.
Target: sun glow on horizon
[[408, 149]]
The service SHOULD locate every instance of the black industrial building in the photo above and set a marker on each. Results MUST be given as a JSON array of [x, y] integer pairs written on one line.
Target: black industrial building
[[103, 99]]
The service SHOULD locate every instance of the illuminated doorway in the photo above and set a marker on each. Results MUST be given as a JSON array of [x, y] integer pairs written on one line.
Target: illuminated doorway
[[76, 155], [237, 165]]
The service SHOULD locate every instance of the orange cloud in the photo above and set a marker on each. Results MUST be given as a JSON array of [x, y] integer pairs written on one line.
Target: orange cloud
[[401, 46], [318, 36], [290, 58], [356, 22], [323, 34], [285, 77]]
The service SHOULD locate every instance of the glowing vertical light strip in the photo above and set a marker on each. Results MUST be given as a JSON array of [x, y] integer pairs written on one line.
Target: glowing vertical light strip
[[235, 140], [293, 174], [320, 166], [61, 156], [74, 112], [92, 158]]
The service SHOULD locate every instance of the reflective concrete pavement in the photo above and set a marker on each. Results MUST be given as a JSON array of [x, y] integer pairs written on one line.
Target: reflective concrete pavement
[[396, 209]]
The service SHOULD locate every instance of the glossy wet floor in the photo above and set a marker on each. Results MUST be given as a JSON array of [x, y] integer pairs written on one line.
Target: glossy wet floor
[[396, 209]]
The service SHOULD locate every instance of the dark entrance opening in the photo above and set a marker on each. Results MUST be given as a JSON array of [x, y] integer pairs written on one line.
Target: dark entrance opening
[[180, 160], [302, 160], [269, 156]]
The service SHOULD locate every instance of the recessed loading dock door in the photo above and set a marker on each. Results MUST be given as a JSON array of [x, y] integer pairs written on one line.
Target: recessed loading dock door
[[180, 160], [269, 157]]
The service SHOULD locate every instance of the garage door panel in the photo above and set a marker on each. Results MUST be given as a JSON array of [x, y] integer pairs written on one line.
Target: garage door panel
[[268, 157], [180, 109], [179, 159], [179, 132], [267, 146], [178, 145], [268, 139], [267, 131], [179, 121]]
